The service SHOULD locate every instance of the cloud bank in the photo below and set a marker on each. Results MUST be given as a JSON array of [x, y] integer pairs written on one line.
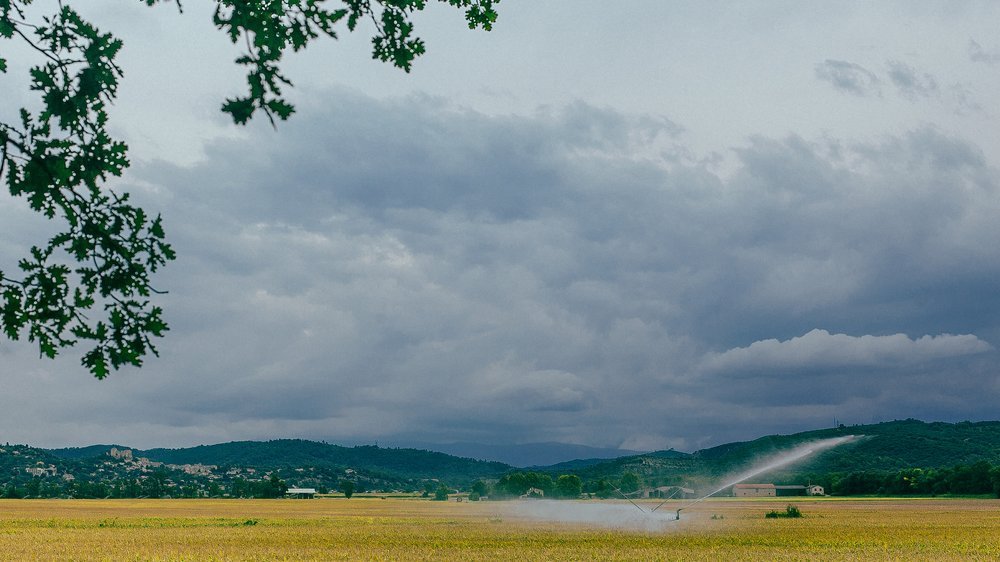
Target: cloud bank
[[411, 269], [819, 349]]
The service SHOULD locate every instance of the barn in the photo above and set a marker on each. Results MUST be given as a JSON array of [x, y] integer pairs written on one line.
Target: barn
[[301, 493], [790, 490], [754, 491]]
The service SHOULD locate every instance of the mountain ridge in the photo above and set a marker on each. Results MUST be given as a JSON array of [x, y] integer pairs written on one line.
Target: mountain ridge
[[888, 446]]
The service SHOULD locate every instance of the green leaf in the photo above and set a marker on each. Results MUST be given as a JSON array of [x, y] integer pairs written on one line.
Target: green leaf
[[241, 109]]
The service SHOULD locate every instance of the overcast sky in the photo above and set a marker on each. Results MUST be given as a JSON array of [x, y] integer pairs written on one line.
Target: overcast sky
[[666, 224]]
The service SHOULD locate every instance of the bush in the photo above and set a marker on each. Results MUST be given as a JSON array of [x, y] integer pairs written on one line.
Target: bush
[[790, 511]]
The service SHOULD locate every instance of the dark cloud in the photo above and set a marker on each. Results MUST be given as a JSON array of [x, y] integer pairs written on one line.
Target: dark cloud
[[978, 54], [910, 83], [404, 268], [848, 77]]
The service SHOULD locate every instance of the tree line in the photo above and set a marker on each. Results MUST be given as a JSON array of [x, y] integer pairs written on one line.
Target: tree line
[[978, 478]]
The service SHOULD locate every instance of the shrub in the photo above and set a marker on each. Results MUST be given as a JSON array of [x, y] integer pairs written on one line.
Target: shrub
[[791, 511]]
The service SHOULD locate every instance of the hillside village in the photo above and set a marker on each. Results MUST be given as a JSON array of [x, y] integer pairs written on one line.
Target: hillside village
[[30, 472]]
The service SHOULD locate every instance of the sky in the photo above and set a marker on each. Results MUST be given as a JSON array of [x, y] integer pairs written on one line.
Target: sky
[[662, 224]]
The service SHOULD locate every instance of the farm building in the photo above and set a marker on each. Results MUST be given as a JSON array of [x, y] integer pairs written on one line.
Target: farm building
[[534, 493], [754, 491], [790, 490], [770, 490], [301, 493]]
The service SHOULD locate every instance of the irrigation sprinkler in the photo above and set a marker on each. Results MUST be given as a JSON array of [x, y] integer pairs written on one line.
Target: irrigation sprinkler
[[789, 457], [674, 493], [622, 494]]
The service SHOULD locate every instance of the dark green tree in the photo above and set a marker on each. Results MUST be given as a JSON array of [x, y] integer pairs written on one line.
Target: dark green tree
[[273, 487], [441, 494], [480, 488], [11, 491], [428, 489], [155, 484], [346, 487], [33, 488], [629, 482], [92, 281], [568, 486]]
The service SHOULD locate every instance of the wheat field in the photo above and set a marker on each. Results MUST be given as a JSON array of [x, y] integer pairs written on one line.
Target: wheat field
[[398, 529]]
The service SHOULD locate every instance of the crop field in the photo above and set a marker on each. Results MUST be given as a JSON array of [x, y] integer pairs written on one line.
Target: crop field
[[400, 529]]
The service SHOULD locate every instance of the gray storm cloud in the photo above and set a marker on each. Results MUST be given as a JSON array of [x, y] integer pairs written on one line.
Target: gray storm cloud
[[410, 269], [978, 54], [911, 83], [848, 77]]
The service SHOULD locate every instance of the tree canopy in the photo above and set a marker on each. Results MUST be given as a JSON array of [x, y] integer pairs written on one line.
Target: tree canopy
[[93, 280]]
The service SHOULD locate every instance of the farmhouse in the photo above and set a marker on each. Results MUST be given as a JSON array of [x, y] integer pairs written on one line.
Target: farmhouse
[[301, 493], [534, 493]]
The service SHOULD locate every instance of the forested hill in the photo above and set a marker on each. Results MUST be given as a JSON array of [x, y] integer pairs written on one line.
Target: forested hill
[[887, 446], [87, 452], [285, 453]]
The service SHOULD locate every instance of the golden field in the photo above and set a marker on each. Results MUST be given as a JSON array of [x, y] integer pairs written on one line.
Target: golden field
[[401, 529]]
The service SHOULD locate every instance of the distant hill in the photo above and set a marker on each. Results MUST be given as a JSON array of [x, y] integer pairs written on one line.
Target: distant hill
[[83, 452], [285, 453], [528, 454], [887, 446]]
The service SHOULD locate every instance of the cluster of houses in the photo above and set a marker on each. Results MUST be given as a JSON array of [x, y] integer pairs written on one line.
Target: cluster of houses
[[144, 465], [133, 463]]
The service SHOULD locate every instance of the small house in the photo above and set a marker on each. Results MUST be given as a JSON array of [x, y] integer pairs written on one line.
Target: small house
[[534, 493], [301, 493]]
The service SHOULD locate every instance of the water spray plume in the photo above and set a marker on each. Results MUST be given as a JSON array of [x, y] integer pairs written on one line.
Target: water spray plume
[[621, 515], [796, 454]]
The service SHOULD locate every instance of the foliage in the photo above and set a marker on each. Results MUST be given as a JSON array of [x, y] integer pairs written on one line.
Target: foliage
[[441, 494], [375, 468], [979, 478], [568, 486], [518, 483], [390, 463], [791, 511], [346, 487], [865, 464], [629, 482], [480, 488], [58, 158]]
